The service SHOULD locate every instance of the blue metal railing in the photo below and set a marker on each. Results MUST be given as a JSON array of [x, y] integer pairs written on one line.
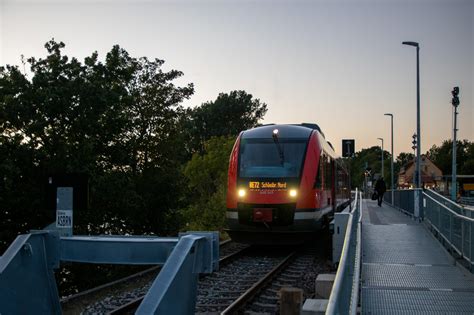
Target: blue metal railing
[[344, 296], [27, 284], [453, 223]]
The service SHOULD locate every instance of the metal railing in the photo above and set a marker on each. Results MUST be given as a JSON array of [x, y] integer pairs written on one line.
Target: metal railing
[[28, 286], [404, 200], [453, 223], [344, 296]]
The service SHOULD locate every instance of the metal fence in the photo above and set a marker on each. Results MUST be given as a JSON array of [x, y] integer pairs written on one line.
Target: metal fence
[[345, 291], [404, 200], [453, 223]]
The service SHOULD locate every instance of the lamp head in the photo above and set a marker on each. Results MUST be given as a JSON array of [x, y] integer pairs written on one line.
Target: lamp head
[[388, 114], [414, 44]]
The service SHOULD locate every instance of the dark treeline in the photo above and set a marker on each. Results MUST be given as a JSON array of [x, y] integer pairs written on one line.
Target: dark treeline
[[440, 155], [154, 167]]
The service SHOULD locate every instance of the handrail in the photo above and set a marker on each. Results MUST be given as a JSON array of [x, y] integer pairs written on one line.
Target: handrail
[[452, 202], [357, 264], [453, 212], [342, 269]]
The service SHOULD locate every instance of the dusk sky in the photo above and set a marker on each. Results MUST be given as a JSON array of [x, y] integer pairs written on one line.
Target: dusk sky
[[339, 64]]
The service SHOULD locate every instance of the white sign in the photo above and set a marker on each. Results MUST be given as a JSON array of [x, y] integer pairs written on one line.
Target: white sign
[[64, 219]]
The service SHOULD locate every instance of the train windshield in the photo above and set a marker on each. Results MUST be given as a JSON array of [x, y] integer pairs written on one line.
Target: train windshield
[[271, 159]]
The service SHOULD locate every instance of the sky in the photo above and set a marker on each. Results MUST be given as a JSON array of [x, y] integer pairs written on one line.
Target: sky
[[337, 63]]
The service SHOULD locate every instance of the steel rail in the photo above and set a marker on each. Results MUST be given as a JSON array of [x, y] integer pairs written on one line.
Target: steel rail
[[133, 305], [254, 289], [76, 296]]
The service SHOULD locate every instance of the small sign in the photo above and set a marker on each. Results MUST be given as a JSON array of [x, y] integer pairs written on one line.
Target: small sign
[[64, 219], [348, 147]]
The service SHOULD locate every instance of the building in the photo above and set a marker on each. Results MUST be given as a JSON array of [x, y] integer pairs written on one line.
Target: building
[[431, 175]]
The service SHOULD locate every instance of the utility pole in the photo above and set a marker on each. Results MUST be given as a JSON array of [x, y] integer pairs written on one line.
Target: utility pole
[[455, 103]]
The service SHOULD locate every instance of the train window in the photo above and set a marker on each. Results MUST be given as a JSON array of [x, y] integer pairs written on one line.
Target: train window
[[319, 174], [328, 173], [267, 158]]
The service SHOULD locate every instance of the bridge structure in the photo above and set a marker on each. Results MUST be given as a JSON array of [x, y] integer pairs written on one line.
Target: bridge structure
[[414, 255]]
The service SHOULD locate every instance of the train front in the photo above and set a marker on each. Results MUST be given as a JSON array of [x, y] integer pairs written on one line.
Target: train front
[[270, 185]]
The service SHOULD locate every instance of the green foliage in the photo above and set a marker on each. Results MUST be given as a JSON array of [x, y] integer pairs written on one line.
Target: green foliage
[[372, 158], [228, 115], [114, 120], [442, 156], [206, 181]]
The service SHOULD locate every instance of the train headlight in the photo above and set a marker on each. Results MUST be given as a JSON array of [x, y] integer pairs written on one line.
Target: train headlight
[[293, 192], [241, 192]]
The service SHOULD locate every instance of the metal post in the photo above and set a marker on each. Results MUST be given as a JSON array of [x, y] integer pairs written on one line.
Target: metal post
[[418, 136], [382, 155], [418, 133], [392, 183], [455, 103]]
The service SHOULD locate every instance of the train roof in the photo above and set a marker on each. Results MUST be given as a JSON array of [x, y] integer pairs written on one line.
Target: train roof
[[286, 131]]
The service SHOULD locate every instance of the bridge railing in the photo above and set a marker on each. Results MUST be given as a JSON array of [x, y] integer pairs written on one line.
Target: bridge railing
[[453, 224], [404, 200], [27, 284], [344, 296]]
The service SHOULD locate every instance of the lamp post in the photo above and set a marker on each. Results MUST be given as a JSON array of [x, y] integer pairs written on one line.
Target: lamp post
[[418, 141], [382, 154], [392, 186]]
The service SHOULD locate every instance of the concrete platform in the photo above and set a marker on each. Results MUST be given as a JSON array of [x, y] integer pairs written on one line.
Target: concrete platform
[[405, 270]]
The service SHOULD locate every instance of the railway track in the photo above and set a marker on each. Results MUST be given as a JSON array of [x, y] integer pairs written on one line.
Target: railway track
[[298, 272], [118, 294], [219, 290], [248, 281]]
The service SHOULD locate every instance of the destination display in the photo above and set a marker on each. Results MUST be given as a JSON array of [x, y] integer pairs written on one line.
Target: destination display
[[267, 185]]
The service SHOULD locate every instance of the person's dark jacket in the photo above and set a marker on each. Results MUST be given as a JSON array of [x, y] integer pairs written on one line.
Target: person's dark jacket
[[380, 186]]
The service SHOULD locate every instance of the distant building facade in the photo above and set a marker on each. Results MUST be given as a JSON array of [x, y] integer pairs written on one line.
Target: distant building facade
[[431, 175]]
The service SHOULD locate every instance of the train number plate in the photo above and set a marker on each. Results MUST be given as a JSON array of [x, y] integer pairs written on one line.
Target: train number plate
[[262, 214]]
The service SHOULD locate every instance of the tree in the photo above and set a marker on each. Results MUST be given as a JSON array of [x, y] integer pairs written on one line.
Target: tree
[[442, 156], [228, 115], [206, 178], [370, 157], [114, 120]]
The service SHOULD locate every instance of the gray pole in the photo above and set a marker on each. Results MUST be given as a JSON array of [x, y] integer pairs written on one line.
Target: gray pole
[[455, 103], [453, 177], [392, 183], [418, 140], [418, 135], [382, 155]]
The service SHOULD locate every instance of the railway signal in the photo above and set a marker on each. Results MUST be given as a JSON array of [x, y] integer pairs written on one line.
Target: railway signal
[[455, 103]]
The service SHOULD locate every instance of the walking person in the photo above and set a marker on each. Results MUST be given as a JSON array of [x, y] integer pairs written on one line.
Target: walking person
[[380, 187]]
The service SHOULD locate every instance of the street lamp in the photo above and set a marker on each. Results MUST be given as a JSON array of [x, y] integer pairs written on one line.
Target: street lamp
[[391, 165], [418, 141]]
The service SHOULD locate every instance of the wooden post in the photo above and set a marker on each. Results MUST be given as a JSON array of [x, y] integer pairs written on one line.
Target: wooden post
[[291, 300]]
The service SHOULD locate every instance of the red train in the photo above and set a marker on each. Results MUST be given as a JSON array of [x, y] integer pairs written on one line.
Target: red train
[[284, 183]]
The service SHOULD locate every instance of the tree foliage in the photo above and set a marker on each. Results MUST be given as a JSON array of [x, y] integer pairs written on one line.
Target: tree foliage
[[442, 156], [114, 120], [229, 114], [368, 158], [206, 178]]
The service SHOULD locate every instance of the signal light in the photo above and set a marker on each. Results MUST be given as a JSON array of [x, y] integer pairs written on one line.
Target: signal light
[[455, 100]]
